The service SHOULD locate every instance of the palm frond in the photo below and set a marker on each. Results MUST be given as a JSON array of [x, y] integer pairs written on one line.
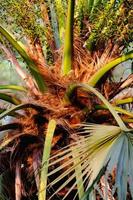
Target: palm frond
[[118, 160], [123, 101], [13, 87], [97, 142], [88, 88], [116, 108], [46, 155], [78, 173], [9, 127], [10, 98], [68, 46], [49, 147], [19, 107], [97, 76], [102, 149], [31, 65]]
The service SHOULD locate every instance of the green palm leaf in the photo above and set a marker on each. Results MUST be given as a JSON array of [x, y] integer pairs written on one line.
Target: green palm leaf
[[67, 57], [110, 144], [78, 173], [89, 88], [98, 143], [118, 158], [13, 87], [31, 65], [19, 107], [9, 98], [46, 155], [101, 72]]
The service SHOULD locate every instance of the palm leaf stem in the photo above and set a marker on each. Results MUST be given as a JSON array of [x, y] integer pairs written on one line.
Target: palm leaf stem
[[103, 70], [127, 120], [102, 98], [10, 126], [123, 101], [9, 98], [13, 87], [15, 114], [22, 106], [32, 67], [45, 158], [118, 109], [68, 47]]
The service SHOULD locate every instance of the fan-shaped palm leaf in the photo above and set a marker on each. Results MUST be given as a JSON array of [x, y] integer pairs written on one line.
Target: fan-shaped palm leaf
[[100, 147]]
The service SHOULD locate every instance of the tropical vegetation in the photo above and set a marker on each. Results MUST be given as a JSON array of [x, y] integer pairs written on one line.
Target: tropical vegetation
[[66, 131]]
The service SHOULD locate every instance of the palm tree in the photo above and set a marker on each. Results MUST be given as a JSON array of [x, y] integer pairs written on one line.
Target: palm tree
[[69, 135]]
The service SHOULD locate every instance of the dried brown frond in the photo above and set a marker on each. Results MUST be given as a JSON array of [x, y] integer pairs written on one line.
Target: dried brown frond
[[83, 63]]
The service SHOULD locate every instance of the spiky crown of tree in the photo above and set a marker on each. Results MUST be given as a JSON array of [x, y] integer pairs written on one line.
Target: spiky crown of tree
[[68, 47]]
